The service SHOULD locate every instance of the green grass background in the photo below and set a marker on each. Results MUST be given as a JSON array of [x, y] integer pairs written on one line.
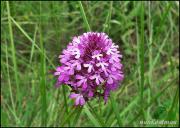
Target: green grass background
[[33, 35]]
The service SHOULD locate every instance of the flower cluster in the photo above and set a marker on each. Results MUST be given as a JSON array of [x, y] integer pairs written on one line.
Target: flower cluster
[[91, 64]]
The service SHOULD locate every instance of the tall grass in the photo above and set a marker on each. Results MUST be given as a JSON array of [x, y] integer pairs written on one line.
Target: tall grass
[[84, 17], [108, 18], [13, 50], [42, 75], [141, 56], [34, 34]]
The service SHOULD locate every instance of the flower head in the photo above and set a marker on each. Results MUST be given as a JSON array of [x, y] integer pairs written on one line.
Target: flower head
[[90, 62]]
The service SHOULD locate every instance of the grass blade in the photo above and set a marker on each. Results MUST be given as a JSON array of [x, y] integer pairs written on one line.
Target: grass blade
[[150, 80], [65, 101], [69, 116], [153, 99], [84, 16], [13, 50], [99, 118], [160, 49], [77, 117], [9, 83], [108, 19], [115, 109], [33, 44], [42, 78], [91, 117], [31, 40], [172, 110], [18, 121], [141, 56], [164, 17]]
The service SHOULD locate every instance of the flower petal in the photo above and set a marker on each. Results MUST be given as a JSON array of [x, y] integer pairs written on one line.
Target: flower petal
[[80, 83], [90, 94], [77, 101], [97, 81], [81, 101], [110, 80], [84, 85], [78, 67], [73, 95], [79, 77]]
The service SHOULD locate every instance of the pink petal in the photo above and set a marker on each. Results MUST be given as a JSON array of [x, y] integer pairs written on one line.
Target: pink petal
[[73, 95], [77, 101], [66, 77], [84, 85], [98, 64], [97, 81], [101, 79], [106, 73], [77, 56], [113, 68], [89, 69], [79, 77], [57, 73], [58, 69], [80, 83], [71, 71], [82, 101], [63, 60], [92, 77], [110, 80], [76, 40], [78, 67], [61, 78], [90, 94], [86, 65]]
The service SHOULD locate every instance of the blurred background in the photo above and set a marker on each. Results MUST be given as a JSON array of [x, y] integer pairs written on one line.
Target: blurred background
[[33, 35]]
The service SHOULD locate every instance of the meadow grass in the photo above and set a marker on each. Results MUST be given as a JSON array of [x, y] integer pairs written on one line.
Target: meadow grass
[[33, 34]]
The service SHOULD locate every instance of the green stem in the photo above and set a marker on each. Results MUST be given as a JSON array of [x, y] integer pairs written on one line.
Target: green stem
[[65, 102], [42, 78], [142, 57]]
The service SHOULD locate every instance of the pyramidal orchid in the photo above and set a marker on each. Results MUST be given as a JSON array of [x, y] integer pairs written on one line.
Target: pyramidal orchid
[[90, 64]]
